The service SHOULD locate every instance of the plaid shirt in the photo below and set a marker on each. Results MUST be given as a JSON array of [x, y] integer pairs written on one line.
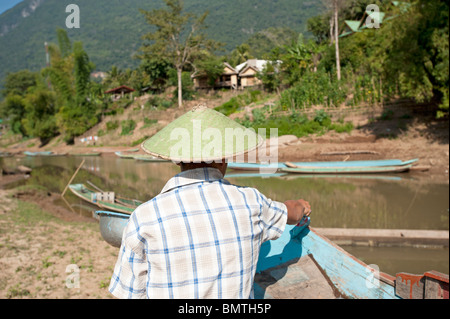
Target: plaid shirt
[[199, 238]]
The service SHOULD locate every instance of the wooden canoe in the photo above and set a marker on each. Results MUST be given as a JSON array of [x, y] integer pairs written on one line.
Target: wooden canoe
[[85, 154], [124, 155], [116, 204], [281, 166], [27, 153], [347, 170], [302, 264], [149, 158]]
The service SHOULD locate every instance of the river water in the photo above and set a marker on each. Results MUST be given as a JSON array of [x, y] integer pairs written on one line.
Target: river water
[[399, 201]]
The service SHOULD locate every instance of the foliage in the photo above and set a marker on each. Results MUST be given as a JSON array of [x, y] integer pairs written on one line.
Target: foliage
[[18, 83], [112, 125], [313, 89], [261, 44], [157, 70], [406, 57], [178, 37], [295, 124], [419, 53], [270, 76], [61, 99], [13, 108], [212, 67], [128, 127], [40, 109], [235, 103]]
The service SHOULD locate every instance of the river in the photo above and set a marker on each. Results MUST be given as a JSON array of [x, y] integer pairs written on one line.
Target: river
[[399, 201]]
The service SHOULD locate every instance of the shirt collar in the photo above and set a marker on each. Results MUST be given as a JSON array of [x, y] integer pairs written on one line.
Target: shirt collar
[[193, 176]]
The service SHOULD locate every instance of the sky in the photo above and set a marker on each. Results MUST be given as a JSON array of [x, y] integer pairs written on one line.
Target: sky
[[7, 4]]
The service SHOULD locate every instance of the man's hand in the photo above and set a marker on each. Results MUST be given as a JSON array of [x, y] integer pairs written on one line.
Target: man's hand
[[297, 209]]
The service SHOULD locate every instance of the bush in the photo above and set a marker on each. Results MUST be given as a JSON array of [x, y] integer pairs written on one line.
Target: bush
[[112, 125], [235, 103], [296, 124], [128, 127], [313, 89]]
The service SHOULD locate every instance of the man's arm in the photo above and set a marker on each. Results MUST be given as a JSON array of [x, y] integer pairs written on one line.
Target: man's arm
[[297, 209]]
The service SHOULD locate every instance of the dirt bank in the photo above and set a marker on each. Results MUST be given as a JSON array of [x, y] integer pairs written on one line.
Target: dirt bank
[[37, 249]]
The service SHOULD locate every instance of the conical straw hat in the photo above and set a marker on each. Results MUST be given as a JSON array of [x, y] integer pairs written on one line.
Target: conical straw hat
[[202, 135]]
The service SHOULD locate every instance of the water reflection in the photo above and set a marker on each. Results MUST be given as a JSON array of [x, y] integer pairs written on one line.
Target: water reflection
[[391, 202]]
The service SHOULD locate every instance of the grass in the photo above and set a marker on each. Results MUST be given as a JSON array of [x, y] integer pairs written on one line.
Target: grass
[[297, 124]]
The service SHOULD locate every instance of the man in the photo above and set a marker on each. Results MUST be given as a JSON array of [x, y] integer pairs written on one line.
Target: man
[[201, 236]]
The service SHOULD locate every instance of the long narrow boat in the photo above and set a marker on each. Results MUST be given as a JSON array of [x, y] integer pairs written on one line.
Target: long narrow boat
[[280, 166], [347, 170], [48, 153], [117, 204], [85, 154], [302, 264], [124, 155], [149, 158]]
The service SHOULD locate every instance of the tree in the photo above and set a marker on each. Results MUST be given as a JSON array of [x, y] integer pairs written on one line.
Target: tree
[[40, 107], [69, 75], [212, 67], [336, 37], [19, 82], [177, 38], [334, 6], [319, 26], [157, 71], [418, 55], [240, 55]]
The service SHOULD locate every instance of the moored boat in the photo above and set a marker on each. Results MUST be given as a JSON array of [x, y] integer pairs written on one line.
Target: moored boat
[[47, 153], [124, 155], [149, 158], [105, 200], [281, 166], [347, 170], [85, 154]]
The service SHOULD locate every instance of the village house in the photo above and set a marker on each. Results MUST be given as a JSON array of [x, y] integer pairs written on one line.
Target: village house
[[228, 79], [242, 76], [120, 92]]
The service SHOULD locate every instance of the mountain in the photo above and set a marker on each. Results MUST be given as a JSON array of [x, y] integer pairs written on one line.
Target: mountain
[[111, 30]]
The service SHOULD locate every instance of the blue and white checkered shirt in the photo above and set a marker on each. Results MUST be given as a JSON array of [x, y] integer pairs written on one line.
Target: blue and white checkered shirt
[[199, 238]]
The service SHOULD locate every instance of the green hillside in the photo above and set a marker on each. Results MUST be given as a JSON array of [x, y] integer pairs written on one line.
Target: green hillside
[[111, 29]]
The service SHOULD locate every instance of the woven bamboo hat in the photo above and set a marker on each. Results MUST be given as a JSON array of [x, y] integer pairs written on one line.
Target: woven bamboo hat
[[202, 135]]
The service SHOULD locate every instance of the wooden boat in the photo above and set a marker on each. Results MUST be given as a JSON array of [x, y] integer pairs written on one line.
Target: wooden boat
[[124, 155], [43, 154], [105, 200], [281, 166], [347, 170], [149, 158], [85, 154], [302, 264], [27, 153]]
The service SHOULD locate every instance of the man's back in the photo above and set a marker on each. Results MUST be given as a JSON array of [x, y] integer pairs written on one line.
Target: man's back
[[200, 238]]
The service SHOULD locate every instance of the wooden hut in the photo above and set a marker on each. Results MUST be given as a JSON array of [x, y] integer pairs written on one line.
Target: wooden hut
[[120, 92]]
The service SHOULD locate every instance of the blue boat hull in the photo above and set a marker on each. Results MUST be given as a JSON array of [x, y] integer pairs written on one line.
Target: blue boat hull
[[279, 166]]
